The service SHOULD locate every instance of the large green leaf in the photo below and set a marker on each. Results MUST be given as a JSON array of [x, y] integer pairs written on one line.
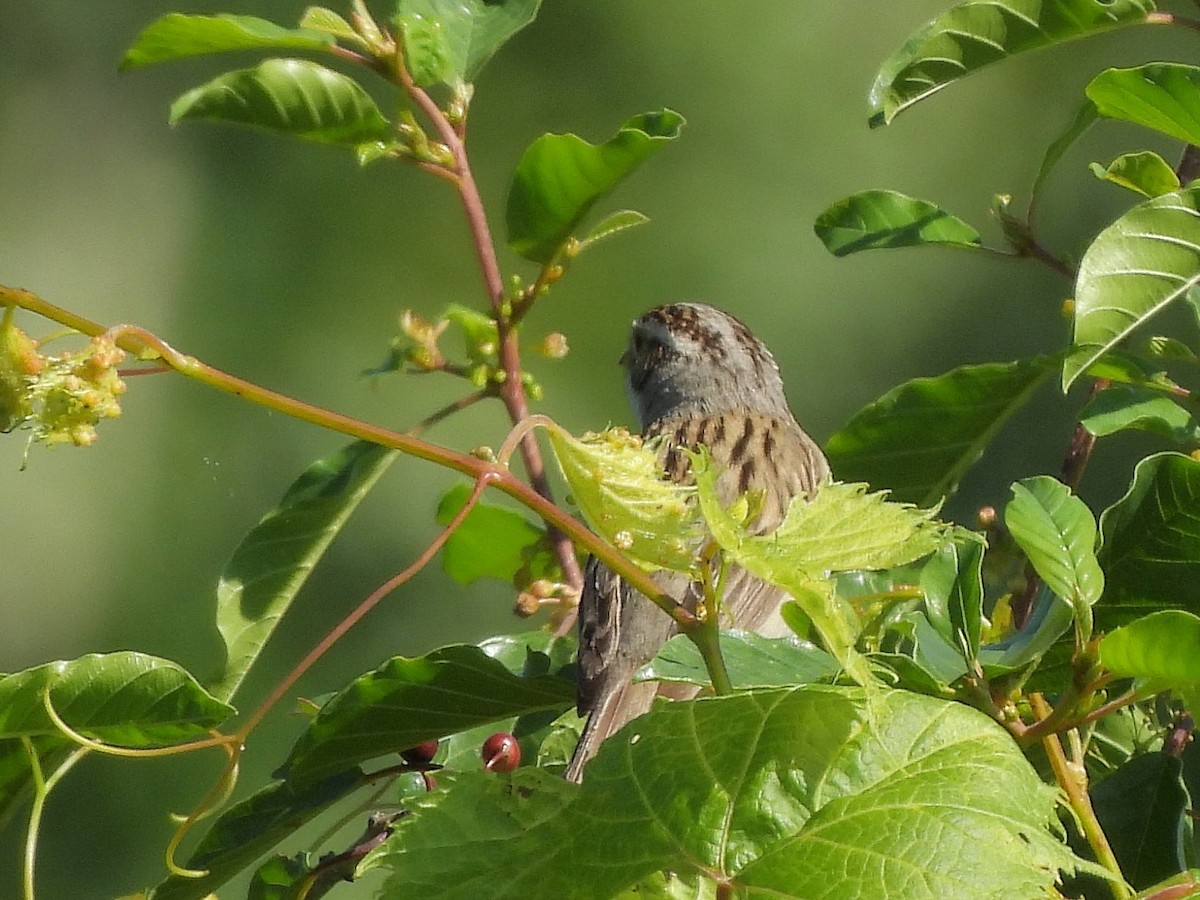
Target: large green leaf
[[1134, 269], [1144, 808], [874, 220], [1161, 649], [812, 792], [292, 96], [452, 40], [250, 828], [275, 558], [919, 439], [407, 701], [561, 176], [177, 36], [1058, 534], [491, 542], [1161, 96], [977, 33], [1151, 542], [126, 698]]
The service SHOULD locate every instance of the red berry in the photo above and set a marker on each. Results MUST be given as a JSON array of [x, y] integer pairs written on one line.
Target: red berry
[[501, 752], [420, 754]]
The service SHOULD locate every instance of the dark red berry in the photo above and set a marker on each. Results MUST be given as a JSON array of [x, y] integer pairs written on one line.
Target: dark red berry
[[501, 752], [421, 754]]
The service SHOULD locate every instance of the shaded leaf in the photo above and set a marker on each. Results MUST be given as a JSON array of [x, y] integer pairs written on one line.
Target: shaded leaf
[[1083, 120], [407, 701], [1144, 172], [1162, 96], [16, 776], [177, 36], [561, 176], [1134, 269], [826, 792], [1058, 534], [919, 439], [1052, 617], [952, 581], [1121, 406], [292, 96], [1151, 542], [250, 828], [977, 33], [874, 220], [491, 542], [751, 661], [1143, 808], [275, 558], [125, 698]]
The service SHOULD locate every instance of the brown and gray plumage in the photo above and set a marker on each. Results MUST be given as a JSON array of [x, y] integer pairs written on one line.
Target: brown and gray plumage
[[696, 375]]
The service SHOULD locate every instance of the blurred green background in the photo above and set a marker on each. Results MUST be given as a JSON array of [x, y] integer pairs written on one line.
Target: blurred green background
[[288, 265]]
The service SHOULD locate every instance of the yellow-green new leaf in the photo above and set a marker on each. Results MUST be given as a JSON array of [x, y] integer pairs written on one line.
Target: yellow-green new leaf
[[618, 485]]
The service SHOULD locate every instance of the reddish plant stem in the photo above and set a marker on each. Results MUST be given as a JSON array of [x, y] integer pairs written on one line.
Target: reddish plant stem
[[511, 391]]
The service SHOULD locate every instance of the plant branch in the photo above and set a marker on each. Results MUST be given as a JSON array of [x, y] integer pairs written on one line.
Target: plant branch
[[512, 390], [1072, 779]]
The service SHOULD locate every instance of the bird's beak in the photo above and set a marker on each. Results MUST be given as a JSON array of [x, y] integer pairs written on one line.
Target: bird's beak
[[624, 361]]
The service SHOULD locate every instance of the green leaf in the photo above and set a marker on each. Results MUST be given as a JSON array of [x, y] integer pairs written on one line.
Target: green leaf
[[1058, 534], [977, 33], [874, 220], [1144, 808], [1160, 648], [1162, 96], [614, 223], [953, 584], [751, 660], [1144, 172], [177, 36], [1052, 617], [126, 698], [1151, 542], [919, 439], [1122, 406], [829, 792], [619, 487], [291, 96], [841, 528], [16, 776], [561, 176], [275, 558], [318, 18], [491, 542], [407, 701], [1083, 120], [249, 829], [1134, 269], [452, 40]]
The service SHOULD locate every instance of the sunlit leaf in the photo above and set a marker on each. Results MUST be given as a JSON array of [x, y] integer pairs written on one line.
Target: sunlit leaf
[[977, 33], [1144, 172], [1151, 542], [1058, 534], [827, 792], [618, 485], [614, 223], [274, 560], [125, 698], [1160, 648], [177, 36], [1134, 269], [750, 659], [561, 176], [292, 96], [919, 439], [491, 542], [1161, 96], [452, 40], [874, 220], [319, 18], [407, 701]]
